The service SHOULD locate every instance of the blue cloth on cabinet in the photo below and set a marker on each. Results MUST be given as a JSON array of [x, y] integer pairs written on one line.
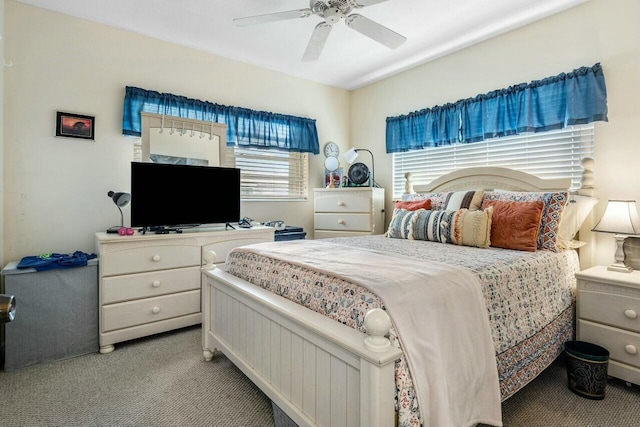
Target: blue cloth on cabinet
[[55, 260]]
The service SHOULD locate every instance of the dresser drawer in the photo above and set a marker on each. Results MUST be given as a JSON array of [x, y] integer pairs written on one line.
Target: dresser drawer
[[616, 310], [328, 234], [148, 258], [342, 222], [623, 346], [132, 313], [343, 201], [146, 285]]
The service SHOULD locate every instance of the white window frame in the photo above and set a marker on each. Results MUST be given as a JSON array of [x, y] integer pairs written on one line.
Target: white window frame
[[552, 154]]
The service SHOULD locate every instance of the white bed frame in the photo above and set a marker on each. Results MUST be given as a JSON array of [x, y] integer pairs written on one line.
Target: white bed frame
[[318, 371]]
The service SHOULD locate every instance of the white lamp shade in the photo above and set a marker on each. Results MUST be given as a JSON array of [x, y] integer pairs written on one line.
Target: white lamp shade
[[620, 217], [350, 155]]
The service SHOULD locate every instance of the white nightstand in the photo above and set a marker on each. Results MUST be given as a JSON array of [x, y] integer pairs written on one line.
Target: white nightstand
[[352, 211], [608, 314]]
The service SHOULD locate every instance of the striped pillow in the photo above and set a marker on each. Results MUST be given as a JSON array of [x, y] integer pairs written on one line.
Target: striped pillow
[[461, 227], [450, 200], [399, 226]]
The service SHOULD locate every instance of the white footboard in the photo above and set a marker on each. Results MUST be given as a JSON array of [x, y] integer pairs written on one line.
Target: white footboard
[[318, 371]]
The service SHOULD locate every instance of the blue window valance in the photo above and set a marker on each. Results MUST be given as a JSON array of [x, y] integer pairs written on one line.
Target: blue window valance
[[567, 99], [245, 127]]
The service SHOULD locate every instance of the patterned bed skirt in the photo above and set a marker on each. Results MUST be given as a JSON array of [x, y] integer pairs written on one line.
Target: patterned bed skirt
[[523, 362]]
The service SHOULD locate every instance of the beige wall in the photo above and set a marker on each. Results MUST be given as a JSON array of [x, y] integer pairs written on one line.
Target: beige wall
[[597, 31], [55, 188]]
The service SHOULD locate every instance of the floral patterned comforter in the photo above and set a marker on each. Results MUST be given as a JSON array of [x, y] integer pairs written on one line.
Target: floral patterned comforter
[[529, 297]]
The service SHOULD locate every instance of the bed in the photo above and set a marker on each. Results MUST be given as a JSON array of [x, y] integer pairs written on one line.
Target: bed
[[307, 321]]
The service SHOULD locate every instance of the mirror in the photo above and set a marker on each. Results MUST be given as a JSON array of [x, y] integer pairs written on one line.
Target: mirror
[[168, 139], [331, 164]]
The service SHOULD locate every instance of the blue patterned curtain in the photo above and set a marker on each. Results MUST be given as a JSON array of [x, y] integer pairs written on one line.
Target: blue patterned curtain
[[246, 128], [567, 99]]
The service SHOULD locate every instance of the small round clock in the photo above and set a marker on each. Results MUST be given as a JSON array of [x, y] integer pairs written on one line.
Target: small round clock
[[331, 149]]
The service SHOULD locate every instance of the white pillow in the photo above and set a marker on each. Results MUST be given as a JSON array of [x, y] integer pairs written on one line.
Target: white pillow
[[574, 214]]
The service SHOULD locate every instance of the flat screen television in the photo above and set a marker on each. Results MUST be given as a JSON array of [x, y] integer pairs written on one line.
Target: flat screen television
[[168, 195]]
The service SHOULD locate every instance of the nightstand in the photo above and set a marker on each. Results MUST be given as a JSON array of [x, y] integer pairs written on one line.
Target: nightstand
[[608, 314], [351, 211]]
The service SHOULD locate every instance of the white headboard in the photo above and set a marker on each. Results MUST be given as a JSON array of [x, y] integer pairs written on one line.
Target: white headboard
[[492, 178]]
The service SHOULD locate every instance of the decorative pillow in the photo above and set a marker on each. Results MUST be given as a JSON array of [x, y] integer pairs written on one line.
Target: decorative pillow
[[434, 226], [438, 200], [573, 216], [515, 225], [471, 200], [399, 225], [461, 227], [475, 227], [449, 200], [414, 206], [553, 205]]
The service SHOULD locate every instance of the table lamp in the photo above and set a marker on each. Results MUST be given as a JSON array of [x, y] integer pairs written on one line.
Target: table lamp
[[620, 217], [121, 200]]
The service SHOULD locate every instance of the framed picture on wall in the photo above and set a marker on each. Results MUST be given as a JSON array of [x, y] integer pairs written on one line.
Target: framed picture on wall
[[75, 125]]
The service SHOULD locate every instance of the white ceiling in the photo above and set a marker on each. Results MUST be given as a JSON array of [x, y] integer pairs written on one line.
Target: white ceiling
[[349, 60]]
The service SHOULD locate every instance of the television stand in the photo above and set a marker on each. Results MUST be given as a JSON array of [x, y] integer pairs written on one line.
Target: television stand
[[151, 283]]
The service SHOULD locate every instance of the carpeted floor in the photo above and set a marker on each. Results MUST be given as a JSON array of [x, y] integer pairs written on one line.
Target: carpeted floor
[[154, 381], [164, 381], [547, 401]]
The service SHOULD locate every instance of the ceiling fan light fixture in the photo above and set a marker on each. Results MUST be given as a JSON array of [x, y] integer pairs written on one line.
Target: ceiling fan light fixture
[[333, 15], [332, 11]]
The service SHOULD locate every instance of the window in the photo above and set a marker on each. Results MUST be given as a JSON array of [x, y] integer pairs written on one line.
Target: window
[[265, 174], [269, 174], [552, 154]]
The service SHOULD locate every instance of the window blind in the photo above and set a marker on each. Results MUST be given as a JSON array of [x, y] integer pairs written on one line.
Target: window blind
[[552, 154], [270, 174]]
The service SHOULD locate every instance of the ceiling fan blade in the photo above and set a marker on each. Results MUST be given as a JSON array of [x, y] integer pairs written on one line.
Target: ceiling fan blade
[[363, 3], [375, 31], [272, 17], [317, 41]]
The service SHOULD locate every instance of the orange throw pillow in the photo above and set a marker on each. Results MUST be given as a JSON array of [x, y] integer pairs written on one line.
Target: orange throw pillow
[[515, 225], [414, 205]]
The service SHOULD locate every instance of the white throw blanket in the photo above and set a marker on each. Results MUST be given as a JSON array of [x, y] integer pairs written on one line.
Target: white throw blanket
[[440, 316]]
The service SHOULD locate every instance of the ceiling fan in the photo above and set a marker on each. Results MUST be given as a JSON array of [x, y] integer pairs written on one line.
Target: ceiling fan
[[331, 11]]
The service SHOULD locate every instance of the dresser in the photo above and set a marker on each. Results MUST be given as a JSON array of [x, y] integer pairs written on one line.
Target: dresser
[[348, 211], [608, 314], [150, 283]]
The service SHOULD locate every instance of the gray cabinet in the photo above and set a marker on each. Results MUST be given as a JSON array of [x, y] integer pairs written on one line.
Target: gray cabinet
[[56, 314]]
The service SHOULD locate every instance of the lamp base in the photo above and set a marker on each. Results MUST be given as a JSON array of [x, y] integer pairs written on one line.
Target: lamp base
[[620, 268]]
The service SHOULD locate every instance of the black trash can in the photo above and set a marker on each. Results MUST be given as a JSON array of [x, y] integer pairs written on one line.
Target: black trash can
[[586, 368]]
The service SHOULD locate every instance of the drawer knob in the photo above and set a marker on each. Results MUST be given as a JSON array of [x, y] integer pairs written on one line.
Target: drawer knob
[[631, 314], [341, 221], [156, 258], [631, 349], [155, 310], [341, 203], [156, 283]]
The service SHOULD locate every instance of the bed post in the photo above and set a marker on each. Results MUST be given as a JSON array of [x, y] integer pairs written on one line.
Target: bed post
[[587, 182], [205, 290], [408, 184], [378, 408]]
